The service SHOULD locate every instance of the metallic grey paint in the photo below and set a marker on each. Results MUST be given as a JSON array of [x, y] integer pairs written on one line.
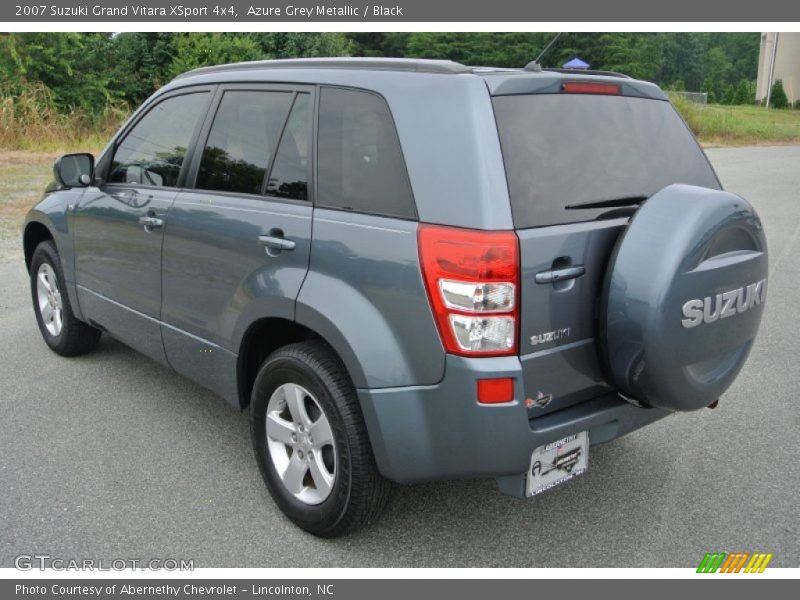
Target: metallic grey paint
[[218, 278], [684, 242], [364, 294], [430, 432], [118, 262], [355, 280]]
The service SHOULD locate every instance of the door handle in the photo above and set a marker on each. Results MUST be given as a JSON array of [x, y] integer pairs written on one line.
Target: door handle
[[150, 222], [275, 242], [560, 274]]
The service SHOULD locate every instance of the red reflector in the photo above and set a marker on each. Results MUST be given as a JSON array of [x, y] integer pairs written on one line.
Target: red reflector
[[494, 391], [580, 87]]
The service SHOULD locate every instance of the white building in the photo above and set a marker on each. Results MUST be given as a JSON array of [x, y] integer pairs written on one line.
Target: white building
[[787, 64]]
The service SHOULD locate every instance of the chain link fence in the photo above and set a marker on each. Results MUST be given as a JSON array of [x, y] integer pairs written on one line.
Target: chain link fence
[[696, 97]]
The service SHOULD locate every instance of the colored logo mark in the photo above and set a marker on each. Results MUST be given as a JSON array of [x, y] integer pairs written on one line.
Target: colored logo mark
[[736, 562]]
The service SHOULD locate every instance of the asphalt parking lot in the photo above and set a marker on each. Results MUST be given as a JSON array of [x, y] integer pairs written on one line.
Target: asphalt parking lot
[[112, 456]]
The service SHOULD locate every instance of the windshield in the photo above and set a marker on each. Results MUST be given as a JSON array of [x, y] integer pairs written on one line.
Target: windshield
[[568, 149]]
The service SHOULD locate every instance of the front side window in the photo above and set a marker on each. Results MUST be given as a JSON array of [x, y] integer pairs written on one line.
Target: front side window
[[153, 152], [360, 163], [241, 141]]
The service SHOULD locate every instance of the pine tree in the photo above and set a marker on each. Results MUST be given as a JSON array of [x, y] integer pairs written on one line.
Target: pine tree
[[778, 97], [744, 93]]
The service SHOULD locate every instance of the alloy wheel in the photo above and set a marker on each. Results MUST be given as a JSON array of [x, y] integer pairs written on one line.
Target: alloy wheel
[[301, 443]]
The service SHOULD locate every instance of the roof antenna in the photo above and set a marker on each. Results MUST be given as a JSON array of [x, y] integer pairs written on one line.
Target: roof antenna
[[535, 65]]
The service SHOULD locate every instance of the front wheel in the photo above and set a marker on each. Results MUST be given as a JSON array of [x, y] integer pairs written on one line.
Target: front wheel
[[61, 330], [311, 442]]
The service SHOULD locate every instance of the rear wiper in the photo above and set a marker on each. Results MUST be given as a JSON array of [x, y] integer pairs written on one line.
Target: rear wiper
[[630, 200]]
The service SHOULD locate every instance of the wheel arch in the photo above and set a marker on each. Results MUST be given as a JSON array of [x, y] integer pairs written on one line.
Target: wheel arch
[[263, 337], [34, 234]]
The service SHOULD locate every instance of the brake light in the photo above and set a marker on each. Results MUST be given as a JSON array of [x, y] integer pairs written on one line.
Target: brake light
[[583, 87], [472, 280]]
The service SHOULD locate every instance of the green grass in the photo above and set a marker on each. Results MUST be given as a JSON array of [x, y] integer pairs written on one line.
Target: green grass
[[30, 120], [23, 177], [715, 124]]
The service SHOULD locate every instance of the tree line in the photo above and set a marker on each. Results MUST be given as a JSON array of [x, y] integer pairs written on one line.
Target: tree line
[[89, 71]]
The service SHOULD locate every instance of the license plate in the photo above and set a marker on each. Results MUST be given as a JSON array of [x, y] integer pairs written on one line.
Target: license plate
[[558, 462]]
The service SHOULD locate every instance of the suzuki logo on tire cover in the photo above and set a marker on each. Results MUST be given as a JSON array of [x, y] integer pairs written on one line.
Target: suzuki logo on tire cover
[[724, 305]]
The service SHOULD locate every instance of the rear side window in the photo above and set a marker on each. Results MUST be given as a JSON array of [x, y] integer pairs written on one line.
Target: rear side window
[[289, 175], [360, 163], [562, 149], [241, 141], [152, 153]]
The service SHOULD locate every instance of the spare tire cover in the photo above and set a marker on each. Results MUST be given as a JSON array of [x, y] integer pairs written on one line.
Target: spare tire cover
[[683, 297]]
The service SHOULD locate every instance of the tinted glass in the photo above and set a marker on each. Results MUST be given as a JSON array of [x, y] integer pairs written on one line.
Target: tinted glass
[[242, 138], [289, 175], [361, 165], [562, 149], [153, 151]]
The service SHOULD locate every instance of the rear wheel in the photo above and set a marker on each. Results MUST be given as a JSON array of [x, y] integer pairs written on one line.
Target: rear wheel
[[61, 330], [311, 442]]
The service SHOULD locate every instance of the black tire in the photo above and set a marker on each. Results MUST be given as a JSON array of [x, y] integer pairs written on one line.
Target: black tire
[[359, 492], [75, 337]]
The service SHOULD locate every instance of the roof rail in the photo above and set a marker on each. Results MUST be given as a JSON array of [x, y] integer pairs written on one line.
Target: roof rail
[[588, 72], [379, 64]]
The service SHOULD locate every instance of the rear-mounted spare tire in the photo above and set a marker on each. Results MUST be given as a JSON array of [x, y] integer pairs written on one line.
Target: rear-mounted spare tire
[[683, 298]]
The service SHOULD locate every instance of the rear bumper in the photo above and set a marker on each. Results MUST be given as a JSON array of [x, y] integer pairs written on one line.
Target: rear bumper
[[437, 432]]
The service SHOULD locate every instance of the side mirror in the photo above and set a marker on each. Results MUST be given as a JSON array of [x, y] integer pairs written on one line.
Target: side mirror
[[74, 170]]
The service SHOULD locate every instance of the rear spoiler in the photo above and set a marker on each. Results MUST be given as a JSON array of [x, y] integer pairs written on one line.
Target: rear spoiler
[[552, 82]]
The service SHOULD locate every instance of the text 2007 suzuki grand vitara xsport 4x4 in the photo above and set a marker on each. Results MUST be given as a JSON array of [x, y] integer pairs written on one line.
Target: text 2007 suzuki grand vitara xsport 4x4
[[408, 270]]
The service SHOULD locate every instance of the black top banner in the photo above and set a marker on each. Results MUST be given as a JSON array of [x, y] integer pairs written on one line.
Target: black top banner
[[267, 11]]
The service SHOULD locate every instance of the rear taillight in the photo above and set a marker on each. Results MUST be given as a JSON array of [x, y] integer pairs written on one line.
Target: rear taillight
[[585, 87], [472, 279]]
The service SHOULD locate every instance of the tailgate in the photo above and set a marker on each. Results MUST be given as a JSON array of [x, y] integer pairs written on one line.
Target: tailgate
[[558, 320], [574, 162]]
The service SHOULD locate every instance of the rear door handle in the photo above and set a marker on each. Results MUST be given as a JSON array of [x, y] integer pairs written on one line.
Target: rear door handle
[[276, 243], [560, 274]]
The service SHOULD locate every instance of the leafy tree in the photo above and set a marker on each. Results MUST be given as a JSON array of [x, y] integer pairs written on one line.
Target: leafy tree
[[678, 86], [717, 67], [90, 71], [141, 63], [745, 93], [778, 97], [299, 44], [708, 88], [193, 50], [391, 44], [73, 65], [682, 58], [482, 49], [728, 95]]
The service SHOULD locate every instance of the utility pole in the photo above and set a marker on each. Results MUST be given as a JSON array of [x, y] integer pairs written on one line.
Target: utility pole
[[772, 67]]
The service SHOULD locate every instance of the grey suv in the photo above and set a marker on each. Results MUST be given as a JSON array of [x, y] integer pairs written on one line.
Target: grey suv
[[407, 270]]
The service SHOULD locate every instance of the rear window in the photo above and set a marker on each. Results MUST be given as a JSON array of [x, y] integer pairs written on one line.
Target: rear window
[[562, 149], [360, 163]]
